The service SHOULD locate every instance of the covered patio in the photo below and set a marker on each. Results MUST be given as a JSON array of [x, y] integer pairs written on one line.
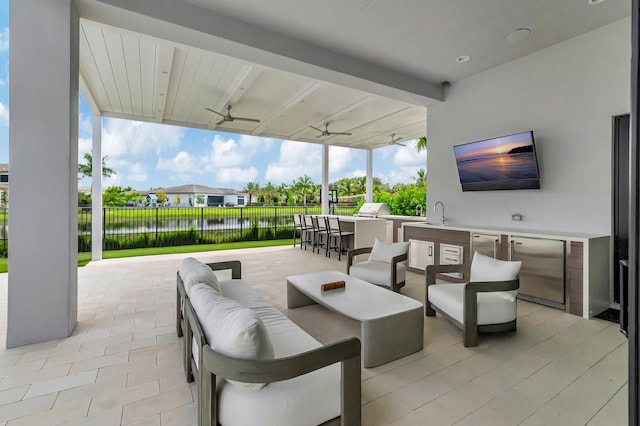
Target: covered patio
[[122, 363]]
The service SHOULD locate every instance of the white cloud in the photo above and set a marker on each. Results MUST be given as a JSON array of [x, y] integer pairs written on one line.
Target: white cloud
[[4, 114], [4, 39], [129, 144], [358, 173], [85, 125], [137, 173], [184, 165], [130, 141], [408, 156], [228, 153], [339, 158], [237, 174], [296, 159]]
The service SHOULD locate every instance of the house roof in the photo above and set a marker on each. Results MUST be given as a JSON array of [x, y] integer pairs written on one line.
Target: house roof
[[4, 167], [198, 189]]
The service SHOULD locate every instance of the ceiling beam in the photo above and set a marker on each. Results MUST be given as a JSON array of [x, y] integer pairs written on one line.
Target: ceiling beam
[[295, 99], [239, 39], [164, 62]]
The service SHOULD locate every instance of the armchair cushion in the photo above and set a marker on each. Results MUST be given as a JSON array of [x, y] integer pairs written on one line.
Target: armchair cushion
[[230, 328], [493, 307], [377, 272], [384, 252], [485, 268], [193, 272]]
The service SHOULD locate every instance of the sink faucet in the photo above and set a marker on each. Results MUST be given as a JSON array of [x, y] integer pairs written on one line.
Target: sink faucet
[[435, 208]]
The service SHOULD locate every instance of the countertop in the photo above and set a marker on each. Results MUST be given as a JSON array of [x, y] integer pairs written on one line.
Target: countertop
[[405, 218], [554, 235]]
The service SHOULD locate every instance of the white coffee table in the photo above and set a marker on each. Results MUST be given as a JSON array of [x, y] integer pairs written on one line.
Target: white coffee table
[[392, 324]]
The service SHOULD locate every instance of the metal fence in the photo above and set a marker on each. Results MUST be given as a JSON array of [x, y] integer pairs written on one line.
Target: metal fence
[[130, 227]]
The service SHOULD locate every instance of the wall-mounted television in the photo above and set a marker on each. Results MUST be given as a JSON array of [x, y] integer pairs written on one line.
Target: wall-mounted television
[[506, 162]]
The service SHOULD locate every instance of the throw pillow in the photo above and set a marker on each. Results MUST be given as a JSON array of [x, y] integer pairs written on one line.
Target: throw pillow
[[193, 272], [230, 328], [384, 252], [485, 268]]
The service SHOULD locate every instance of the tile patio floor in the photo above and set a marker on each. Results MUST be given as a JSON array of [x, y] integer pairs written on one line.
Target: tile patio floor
[[122, 363]]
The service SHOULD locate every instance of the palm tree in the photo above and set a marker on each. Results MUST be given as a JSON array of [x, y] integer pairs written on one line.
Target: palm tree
[[359, 185], [305, 187], [251, 188], [283, 192], [86, 169], [421, 180], [421, 144], [269, 191]]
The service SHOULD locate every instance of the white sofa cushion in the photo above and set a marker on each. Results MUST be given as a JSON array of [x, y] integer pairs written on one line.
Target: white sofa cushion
[[384, 252], [377, 272], [485, 268], [493, 307], [192, 271], [310, 399], [231, 328]]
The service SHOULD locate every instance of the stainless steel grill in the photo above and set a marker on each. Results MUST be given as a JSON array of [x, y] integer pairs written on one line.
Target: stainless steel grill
[[373, 210]]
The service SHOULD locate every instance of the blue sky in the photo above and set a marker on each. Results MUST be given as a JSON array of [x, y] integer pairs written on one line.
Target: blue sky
[[147, 155]]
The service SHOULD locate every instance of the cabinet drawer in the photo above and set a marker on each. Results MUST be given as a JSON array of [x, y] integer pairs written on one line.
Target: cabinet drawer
[[449, 249], [451, 255]]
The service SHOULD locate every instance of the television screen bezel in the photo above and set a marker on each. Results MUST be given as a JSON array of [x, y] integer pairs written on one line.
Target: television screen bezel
[[514, 184]]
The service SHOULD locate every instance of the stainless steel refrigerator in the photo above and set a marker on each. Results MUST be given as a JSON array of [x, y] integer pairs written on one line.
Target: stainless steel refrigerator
[[542, 277]]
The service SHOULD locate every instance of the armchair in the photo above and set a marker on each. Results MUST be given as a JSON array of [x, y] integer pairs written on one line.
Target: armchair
[[487, 303], [384, 267]]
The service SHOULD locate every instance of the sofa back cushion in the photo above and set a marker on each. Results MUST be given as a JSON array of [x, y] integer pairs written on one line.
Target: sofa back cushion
[[384, 252], [485, 268], [193, 271], [230, 328]]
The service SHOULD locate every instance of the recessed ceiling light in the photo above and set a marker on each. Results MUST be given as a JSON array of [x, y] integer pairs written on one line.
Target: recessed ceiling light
[[596, 1], [519, 34], [463, 58]]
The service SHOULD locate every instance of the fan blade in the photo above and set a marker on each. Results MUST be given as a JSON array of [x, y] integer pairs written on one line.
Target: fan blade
[[221, 121], [253, 120], [315, 128], [214, 111], [401, 144]]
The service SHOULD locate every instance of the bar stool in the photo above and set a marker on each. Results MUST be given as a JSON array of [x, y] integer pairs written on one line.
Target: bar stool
[[338, 235], [307, 232], [297, 227], [321, 236]]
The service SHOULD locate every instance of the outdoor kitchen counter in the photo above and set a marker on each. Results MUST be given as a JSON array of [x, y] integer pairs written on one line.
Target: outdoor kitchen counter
[[365, 229]]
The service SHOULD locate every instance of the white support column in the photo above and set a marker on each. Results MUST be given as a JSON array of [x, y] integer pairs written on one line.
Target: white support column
[[96, 190], [325, 179], [43, 153], [369, 197]]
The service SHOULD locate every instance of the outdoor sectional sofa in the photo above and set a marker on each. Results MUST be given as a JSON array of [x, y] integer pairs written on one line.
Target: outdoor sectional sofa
[[253, 365]]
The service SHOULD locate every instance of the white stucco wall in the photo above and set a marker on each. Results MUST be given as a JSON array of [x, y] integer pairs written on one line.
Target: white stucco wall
[[567, 95]]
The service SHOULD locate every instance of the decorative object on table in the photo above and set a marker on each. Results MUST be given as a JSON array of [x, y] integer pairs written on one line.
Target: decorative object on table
[[332, 286]]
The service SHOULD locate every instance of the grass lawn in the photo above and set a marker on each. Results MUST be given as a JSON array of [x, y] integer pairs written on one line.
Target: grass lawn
[[84, 258]]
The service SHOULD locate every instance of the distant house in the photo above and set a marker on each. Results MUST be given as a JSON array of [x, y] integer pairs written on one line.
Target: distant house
[[202, 196], [4, 184]]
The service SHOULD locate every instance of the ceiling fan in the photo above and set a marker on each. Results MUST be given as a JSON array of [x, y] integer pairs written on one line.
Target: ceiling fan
[[394, 141], [326, 131], [229, 117]]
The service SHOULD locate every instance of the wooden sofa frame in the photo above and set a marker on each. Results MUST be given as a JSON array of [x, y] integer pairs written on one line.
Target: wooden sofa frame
[[470, 328], [214, 364], [394, 262]]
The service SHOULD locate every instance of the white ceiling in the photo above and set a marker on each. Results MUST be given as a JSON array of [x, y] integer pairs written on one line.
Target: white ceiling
[[368, 67]]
